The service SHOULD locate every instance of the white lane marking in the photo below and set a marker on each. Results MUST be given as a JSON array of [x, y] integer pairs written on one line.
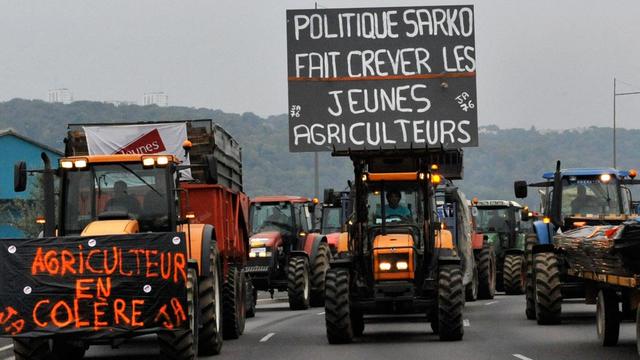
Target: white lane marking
[[267, 337], [321, 313], [522, 357], [491, 303], [6, 347], [465, 322]]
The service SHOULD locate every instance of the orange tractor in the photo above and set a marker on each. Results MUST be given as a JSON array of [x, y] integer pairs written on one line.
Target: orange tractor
[[286, 253]]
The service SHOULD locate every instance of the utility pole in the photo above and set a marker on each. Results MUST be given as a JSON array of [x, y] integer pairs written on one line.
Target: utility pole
[[316, 180], [614, 117]]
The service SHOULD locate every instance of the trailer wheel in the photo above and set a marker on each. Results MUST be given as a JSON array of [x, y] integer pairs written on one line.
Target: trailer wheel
[[337, 307], [486, 273], [31, 349], [233, 304], [210, 303], [450, 303], [530, 310], [471, 290], [548, 294], [513, 274], [183, 344], [318, 273], [252, 297], [608, 317], [68, 350], [298, 283]]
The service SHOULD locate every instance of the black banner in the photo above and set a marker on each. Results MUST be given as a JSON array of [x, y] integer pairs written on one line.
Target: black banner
[[381, 78], [99, 286]]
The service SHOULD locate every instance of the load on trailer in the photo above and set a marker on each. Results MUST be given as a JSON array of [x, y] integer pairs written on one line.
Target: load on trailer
[[572, 198], [138, 256], [286, 255]]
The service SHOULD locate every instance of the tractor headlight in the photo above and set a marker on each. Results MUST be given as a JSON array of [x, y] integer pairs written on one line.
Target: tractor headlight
[[385, 266], [402, 265]]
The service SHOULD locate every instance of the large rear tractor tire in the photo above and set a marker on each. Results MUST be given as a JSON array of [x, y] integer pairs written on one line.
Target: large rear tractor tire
[[233, 302], [450, 303], [298, 287], [183, 344], [486, 273], [338, 317], [210, 304], [252, 298], [319, 269], [471, 290], [31, 349], [530, 310], [548, 290], [514, 275], [608, 317]]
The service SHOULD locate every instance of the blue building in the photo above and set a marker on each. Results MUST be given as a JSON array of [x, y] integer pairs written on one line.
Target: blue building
[[15, 147]]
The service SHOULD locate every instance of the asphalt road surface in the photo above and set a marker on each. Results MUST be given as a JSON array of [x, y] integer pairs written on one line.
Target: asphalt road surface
[[494, 329]]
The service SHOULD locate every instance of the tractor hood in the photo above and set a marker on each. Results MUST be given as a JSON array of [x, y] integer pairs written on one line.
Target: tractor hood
[[266, 239], [333, 239]]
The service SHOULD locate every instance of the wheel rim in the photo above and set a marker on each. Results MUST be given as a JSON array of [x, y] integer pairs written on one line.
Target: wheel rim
[[306, 285], [600, 317]]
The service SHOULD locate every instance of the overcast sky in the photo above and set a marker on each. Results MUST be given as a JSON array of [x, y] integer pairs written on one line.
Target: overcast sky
[[546, 63]]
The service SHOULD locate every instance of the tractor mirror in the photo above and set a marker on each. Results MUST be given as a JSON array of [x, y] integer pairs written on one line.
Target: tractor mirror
[[20, 176], [212, 169], [525, 215], [520, 189]]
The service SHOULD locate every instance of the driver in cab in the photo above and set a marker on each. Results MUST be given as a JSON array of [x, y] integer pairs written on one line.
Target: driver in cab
[[393, 208]]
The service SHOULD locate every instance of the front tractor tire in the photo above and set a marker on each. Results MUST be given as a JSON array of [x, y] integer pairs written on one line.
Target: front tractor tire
[[514, 275], [210, 304], [339, 315], [548, 289], [183, 344], [471, 290], [318, 272], [298, 287], [234, 302], [450, 303], [486, 273]]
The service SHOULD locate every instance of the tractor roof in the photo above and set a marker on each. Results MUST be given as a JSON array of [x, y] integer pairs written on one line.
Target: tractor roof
[[493, 203], [280, 198], [588, 172], [119, 158]]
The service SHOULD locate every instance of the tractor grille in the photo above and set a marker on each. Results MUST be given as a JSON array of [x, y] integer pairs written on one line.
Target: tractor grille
[[256, 269]]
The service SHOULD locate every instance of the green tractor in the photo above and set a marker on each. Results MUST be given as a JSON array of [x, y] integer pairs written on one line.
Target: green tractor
[[505, 225]]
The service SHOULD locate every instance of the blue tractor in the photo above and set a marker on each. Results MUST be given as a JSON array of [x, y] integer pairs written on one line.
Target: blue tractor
[[570, 198]]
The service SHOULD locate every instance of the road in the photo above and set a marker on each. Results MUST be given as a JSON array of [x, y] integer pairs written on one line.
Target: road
[[496, 329]]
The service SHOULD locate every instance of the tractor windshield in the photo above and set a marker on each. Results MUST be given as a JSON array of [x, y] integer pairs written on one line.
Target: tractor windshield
[[493, 219], [331, 222], [116, 191], [271, 217], [395, 204], [590, 195]]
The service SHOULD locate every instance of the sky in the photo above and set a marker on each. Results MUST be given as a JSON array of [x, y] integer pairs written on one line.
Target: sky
[[546, 63]]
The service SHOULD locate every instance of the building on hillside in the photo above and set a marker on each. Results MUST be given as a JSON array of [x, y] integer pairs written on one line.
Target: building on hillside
[[63, 96], [16, 147], [156, 98]]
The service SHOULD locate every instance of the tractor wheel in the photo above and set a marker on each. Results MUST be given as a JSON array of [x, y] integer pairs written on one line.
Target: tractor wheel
[[318, 272], [547, 287], [337, 307], [471, 290], [210, 304], [298, 283], [530, 310], [183, 344], [450, 303], [68, 350], [233, 304], [486, 273], [513, 274], [608, 317], [31, 349], [252, 298]]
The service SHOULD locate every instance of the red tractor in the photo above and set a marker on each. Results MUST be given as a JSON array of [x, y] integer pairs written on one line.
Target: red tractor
[[286, 253]]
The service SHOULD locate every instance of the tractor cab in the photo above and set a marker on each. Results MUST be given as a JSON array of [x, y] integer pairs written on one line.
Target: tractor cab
[[501, 221]]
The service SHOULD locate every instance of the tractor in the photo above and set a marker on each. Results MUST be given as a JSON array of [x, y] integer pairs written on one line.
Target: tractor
[[570, 198], [505, 224], [287, 254], [335, 211], [400, 259]]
